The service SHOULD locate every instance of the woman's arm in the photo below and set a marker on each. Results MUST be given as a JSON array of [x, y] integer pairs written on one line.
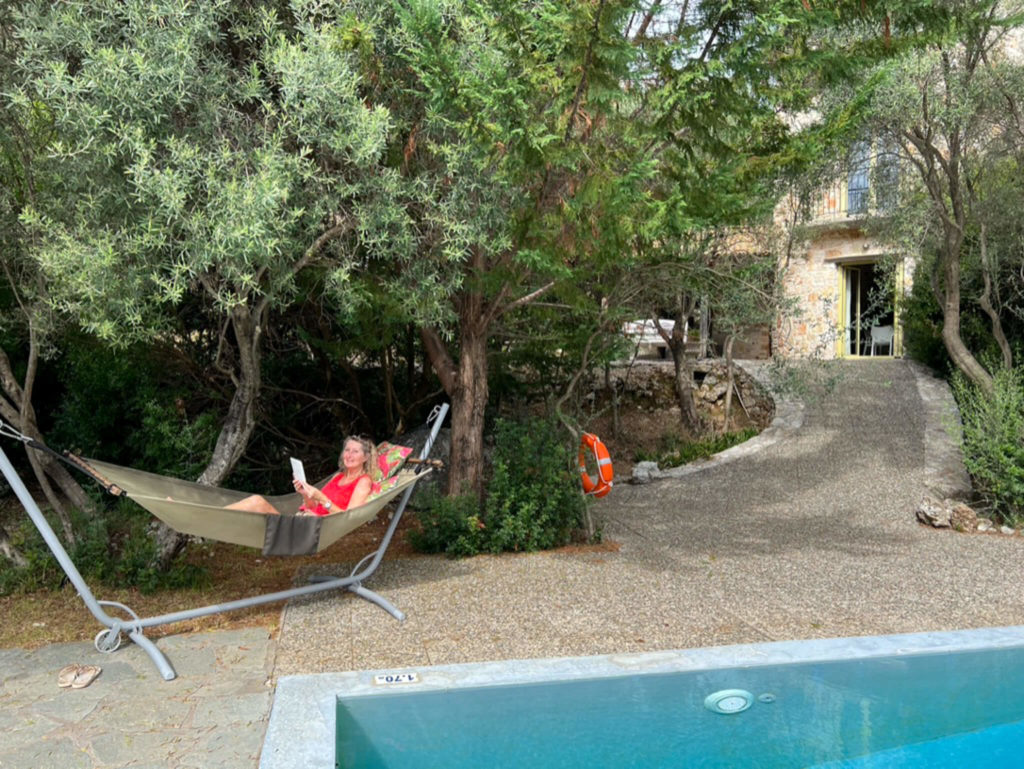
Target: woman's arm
[[360, 493]]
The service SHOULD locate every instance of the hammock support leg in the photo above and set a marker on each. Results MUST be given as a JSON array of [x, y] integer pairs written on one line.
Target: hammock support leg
[[134, 627], [378, 599], [54, 543], [163, 665]]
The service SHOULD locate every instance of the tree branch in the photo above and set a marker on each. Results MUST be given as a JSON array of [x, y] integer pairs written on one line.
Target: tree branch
[[440, 358], [523, 300], [587, 60]]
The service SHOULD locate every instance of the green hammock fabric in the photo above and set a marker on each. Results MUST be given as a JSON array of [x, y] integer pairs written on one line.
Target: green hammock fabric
[[199, 510]]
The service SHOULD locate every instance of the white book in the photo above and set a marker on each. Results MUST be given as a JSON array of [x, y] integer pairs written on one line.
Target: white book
[[298, 471]]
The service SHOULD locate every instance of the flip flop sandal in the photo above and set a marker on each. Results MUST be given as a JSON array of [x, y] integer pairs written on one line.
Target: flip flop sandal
[[66, 676], [86, 675]]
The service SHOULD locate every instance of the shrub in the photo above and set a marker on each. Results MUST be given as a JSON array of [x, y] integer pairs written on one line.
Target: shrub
[[993, 441], [533, 499], [449, 525], [113, 549], [675, 451]]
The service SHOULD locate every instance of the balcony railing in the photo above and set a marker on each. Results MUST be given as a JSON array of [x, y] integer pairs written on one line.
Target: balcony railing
[[871, 187]]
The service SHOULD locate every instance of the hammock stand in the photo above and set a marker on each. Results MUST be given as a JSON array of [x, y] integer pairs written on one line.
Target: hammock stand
[[109, 639]]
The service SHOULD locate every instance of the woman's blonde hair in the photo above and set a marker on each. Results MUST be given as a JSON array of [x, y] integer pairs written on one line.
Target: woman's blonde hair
[[369, 449]]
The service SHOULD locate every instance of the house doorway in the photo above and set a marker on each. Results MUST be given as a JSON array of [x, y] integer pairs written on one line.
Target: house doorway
[[869, 315]]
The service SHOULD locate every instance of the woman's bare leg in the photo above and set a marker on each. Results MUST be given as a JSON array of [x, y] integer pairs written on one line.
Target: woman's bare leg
[[253, 504]]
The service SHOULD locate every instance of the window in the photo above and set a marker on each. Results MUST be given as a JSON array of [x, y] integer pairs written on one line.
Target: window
[[858, 187]]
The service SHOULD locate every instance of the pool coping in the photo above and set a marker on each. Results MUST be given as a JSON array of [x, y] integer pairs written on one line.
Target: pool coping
[[301, 728]]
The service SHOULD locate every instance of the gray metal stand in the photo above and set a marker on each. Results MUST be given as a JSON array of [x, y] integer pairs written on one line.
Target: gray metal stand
[[109, 640]]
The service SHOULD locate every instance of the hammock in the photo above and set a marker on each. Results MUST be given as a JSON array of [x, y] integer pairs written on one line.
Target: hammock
[[192, 508], [196, 509]]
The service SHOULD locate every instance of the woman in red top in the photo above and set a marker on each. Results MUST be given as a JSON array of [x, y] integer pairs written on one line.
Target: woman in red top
[[347, 488]]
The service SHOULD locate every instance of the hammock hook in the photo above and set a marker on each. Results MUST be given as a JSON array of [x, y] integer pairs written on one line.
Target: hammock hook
[[11, 432]]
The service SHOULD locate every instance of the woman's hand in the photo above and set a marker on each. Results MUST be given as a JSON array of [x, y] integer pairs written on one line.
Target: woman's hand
[[309, 493]]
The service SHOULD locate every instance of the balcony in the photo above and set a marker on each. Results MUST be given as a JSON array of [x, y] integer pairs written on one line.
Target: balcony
[[870, 188]]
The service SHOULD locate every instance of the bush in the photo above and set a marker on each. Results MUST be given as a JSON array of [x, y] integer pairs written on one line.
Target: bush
[[993, 441], [113, 549], [449, 525], [533, 499], [675, 451], [116, 407]]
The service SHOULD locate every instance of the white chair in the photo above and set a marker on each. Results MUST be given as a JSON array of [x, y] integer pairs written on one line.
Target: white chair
[[881, 336]]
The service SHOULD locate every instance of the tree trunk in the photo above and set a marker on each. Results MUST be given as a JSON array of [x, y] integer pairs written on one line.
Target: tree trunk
[[16, 408], [238, 425], [469, 403], [985, 300], [950, 303], [731, 383], [465, 383], [683, 381], [684, 388]]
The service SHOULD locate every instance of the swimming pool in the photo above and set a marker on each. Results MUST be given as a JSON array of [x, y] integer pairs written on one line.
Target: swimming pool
[[922, 700]]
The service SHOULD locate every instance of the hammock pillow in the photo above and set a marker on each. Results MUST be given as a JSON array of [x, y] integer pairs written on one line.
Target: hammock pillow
[[390, 459]]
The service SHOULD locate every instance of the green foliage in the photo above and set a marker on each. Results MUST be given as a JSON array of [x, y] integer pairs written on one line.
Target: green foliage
[[119, 406], [674, 451], [450, 525], [993, 441], [921, 317], [533, 499], [114, 549]]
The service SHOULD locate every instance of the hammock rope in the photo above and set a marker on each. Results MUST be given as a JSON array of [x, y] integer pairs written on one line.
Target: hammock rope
[[68, 458]]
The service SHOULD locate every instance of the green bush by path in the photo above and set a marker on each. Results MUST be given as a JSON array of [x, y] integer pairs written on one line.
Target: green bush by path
[[449, 525], [533, 500], [993, 441]]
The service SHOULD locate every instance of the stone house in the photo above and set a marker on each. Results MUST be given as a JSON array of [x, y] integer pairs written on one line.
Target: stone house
[[844, 287]]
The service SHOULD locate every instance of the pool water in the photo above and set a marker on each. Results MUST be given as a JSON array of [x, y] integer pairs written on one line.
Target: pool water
[[962, 709]]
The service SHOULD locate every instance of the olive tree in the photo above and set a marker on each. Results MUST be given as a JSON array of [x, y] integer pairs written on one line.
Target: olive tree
[[208, 152], [951, 109]]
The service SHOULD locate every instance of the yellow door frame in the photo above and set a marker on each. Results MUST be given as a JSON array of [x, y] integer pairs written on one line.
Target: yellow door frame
[[842, 339]]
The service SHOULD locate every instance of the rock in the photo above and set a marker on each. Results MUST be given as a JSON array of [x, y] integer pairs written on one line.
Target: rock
[[643, 472], [1006, 530], [713, 394], [962, 517], [934, 513], [984, 524]]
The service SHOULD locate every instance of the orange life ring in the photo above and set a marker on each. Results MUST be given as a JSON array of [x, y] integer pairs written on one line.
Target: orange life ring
[[602, 484]]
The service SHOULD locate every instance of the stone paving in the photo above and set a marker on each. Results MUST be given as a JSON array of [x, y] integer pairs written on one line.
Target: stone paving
[[808, 532], [212, 716]]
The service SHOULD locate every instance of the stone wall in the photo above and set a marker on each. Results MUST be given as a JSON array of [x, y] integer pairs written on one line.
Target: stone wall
[[812, 282], [650, 385]]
